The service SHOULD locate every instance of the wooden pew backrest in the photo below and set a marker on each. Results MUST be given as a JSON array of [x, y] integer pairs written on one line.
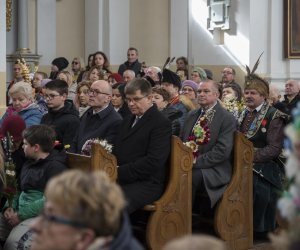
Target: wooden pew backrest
[[171, 215], [233, 219], [100, 159]]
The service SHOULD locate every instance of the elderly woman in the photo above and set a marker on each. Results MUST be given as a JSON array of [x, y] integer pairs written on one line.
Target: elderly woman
[[83, 211], [23, 104], [189, 89]]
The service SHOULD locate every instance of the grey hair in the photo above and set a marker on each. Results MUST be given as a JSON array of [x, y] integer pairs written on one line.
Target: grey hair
[[22, 87]]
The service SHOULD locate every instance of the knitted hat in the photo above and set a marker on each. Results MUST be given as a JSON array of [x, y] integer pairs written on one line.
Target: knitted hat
[[171, 77], [191, 84], [201, 72], [61, 63], [254, 81], [14, 124], [116, 76]]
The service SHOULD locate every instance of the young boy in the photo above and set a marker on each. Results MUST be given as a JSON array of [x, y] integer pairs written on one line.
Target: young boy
[[43, 162], [62, 114]]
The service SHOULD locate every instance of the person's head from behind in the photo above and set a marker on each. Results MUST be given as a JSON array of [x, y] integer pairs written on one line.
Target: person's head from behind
[[196, 242], [132, 55], [208, 93], [292, 88], [21, 95], [100, 95], [38, 140], [56, 92], [37, 79], [83, 93], [138, 94], [128, 75], [79, 208], [161, 97], [232, 91]]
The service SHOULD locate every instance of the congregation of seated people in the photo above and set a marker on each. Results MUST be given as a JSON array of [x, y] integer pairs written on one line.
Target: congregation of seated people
[[137, 111]]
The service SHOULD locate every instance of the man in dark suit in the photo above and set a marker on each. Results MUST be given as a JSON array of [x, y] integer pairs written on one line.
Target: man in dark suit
[[101, 120], [143, 147], [212, 169]]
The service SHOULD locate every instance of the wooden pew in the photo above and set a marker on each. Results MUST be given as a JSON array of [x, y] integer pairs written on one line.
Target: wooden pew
[[100, 159], [233, 220], [171, 215]]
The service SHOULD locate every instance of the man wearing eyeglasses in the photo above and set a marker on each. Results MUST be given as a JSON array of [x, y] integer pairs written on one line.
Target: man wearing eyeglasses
[[142, 147], [228, 76], [100, 120]]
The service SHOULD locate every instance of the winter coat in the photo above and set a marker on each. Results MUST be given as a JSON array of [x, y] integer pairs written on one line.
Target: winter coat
[[65, 121], [34, 177], [31, 114]]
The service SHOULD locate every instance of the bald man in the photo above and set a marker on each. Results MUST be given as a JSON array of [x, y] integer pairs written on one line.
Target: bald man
[[100, 120], [291, 96]]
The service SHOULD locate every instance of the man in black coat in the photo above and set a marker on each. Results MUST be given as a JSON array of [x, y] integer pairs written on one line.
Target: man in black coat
[[132, 62], [143, 147], [101, 120]]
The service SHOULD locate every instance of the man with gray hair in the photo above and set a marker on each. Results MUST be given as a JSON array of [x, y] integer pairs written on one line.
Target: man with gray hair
[[291, 96], [128, 75]]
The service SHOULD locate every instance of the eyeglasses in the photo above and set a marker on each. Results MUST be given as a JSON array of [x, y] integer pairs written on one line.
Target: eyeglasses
[[46, 219], [95, 92], [75, 62], [135, 99], [226, 72], [50, 96]]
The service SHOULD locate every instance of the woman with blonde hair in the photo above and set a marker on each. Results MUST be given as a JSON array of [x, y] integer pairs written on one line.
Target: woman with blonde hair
[[23, 104], [68, 78]]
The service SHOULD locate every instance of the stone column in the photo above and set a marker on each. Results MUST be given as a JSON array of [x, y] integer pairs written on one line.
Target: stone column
[[2, 56], [23, 27]]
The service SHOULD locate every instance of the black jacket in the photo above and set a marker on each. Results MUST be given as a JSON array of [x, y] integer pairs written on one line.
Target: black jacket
[[36, 174], [173, 114], [135, 66], [65, 122]]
